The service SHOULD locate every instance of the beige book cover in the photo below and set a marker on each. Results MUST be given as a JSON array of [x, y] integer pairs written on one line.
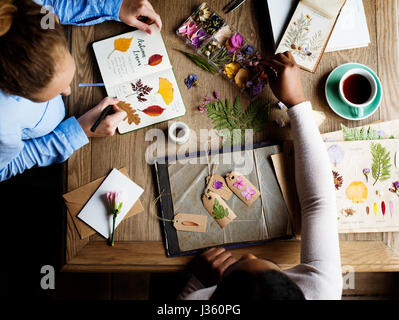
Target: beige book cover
[[309, 30]]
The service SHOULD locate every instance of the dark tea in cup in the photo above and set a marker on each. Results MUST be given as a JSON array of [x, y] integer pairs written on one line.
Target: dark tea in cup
[[357, 89]]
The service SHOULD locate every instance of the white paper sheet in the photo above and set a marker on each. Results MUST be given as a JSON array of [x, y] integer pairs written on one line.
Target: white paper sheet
[[96, 212]]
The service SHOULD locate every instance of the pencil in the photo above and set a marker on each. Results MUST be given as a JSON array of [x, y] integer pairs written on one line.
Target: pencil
[[106, 112], [90, 85]]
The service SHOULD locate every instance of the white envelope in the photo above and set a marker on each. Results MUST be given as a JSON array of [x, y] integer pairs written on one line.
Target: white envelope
[[96, 213]]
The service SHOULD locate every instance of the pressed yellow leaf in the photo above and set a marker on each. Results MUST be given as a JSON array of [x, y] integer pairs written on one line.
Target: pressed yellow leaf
[[123, 44], [166, 90]]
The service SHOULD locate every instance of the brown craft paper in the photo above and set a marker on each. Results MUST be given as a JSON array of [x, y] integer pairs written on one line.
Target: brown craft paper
[[231, 178], [190, 222], [289, 195], [208, 200], [224, 192], [76, 200]]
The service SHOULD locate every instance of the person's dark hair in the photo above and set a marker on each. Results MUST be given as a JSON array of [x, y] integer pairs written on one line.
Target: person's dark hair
[[246, 286], [28, 53]]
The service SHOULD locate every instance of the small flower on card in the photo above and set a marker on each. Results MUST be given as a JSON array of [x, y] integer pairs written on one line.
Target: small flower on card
[[248, 193], [217, 184], [239, 183]]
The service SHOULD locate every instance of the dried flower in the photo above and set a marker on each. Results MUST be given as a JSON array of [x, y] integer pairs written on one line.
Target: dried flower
[[191, 81], [188, 29], [234, 43], [248, 193], [199, 38], [239, 183], [395, 187], [115, 201], [366, 173], [217, 184], [338, 180], [241, 78], [207, 99], [231, 69], [216, 94], [249, 50]]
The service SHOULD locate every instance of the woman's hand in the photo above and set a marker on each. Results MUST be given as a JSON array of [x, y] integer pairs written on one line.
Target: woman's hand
[[210, 265], [108, 126], [286, 84], [132, 13]]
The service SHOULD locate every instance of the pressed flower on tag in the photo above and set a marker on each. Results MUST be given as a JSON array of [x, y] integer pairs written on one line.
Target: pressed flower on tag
[[239, 183], [248, 193], [218, 184], [115, 201]]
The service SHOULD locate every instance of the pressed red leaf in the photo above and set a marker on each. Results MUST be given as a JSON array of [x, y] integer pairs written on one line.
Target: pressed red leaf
[[155, 60], [154, 111]]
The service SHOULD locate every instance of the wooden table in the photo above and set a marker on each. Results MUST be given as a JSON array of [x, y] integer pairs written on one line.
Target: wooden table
[[139, 244]]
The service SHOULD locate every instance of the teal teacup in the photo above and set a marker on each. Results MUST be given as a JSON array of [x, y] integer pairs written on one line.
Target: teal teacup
[[358, 89]]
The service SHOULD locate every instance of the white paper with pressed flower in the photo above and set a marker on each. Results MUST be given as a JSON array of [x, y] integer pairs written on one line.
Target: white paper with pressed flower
[[367, 184], [96, 213], [309, 29]]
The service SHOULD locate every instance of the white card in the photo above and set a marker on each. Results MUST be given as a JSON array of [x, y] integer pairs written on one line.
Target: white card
[[96, 212]]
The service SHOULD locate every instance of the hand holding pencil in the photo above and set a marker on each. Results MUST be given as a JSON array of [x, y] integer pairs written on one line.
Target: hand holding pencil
[[103, 119]]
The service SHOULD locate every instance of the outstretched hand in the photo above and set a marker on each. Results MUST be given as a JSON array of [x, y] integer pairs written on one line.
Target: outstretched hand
[[134, 12], [209, 266], [286, 83]]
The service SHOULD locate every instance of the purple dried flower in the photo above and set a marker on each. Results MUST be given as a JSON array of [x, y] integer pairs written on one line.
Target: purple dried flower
[[257, 88], [249, 50], [218, 185], [216, 94], [191, 80], [366, 172]]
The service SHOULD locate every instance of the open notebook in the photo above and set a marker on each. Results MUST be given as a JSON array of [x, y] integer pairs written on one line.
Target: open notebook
[[350, 31], [136, 69], [309, 30]]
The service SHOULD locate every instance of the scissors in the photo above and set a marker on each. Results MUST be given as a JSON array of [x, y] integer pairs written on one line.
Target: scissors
[[233, 5]]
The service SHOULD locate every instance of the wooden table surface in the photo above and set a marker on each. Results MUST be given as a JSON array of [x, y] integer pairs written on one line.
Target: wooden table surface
[[138, 239]]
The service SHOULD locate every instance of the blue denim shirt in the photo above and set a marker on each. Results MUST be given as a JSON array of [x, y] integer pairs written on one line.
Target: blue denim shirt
[[36, 134]]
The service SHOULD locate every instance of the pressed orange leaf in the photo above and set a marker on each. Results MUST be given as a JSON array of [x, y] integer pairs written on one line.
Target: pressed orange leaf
[[132, 116]]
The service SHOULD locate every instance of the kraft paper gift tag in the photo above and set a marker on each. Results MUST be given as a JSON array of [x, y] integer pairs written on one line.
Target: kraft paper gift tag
[[76, 200], [218, 209], [217, 184], [190, 222], [242, 187]]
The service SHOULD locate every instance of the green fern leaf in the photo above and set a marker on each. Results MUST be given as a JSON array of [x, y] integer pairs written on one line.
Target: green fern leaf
[[381, 167], [229, 117], [353, 134]]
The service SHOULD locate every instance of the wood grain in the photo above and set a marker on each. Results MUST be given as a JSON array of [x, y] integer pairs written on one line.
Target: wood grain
[[97, 256], [139, 245], [388, 70]]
